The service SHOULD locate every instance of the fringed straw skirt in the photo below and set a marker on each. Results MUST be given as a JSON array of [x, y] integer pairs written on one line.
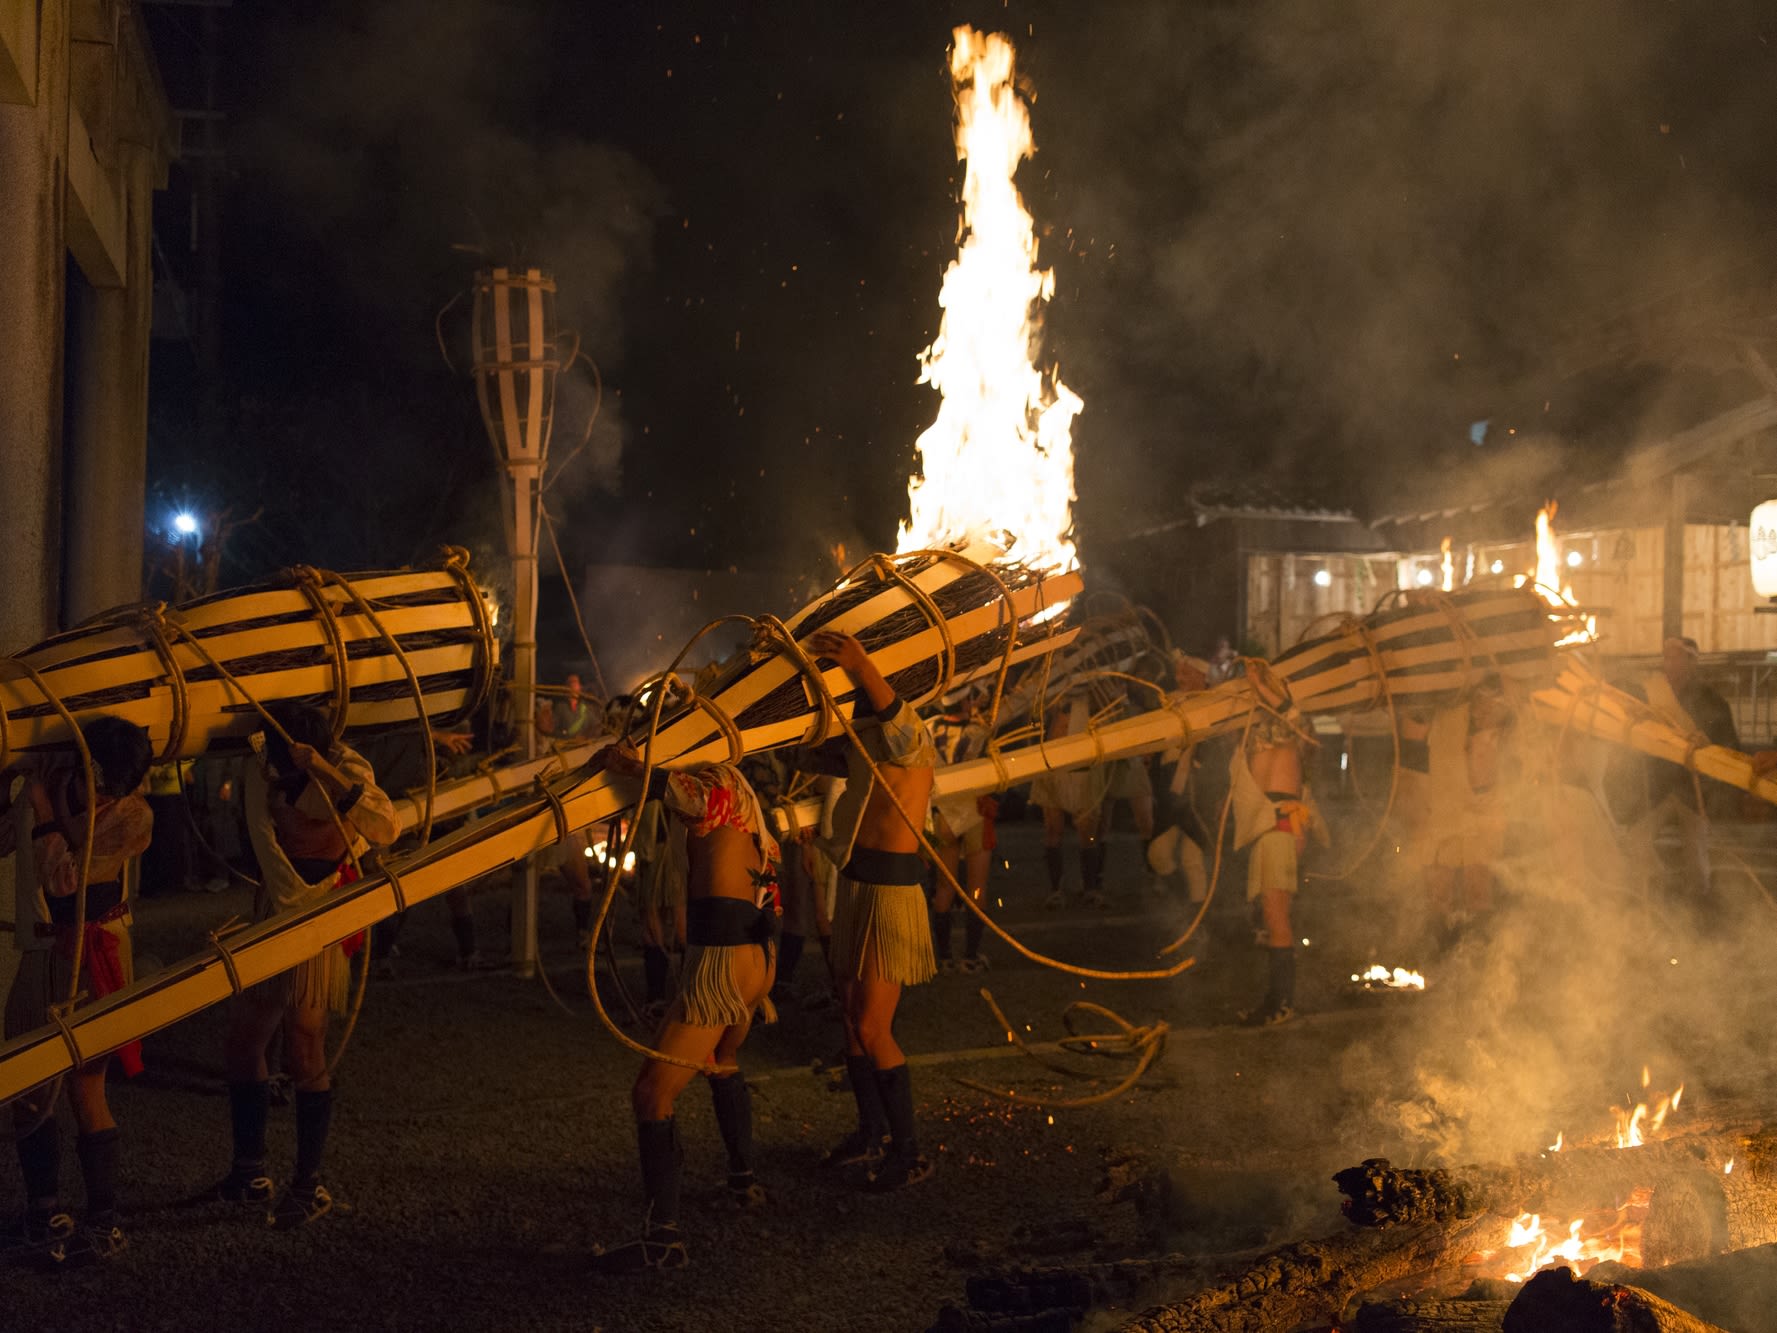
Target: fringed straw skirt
[[884, 929], [713, 992], [323, 982]]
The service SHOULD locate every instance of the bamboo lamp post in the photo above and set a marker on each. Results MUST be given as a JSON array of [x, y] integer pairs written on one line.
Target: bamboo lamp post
[[517, 358]]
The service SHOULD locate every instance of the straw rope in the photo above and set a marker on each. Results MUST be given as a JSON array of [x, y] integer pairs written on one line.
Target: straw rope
[[1144, 1044]]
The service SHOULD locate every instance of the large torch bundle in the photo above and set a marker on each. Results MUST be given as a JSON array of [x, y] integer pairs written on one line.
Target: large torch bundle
[[376, 650], [930, 621], [1425, 652]]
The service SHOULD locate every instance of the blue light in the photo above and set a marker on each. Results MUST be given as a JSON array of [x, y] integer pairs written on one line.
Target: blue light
[[1477, 431], [184, 524]]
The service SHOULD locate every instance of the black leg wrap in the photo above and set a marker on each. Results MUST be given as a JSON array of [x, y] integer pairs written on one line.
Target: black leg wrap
[[249, 1105], [789, 953], [972, 929], [98, 1169], [383, 936], [872, 1118], [734, 1117], [662, 1160], [40, 1161], [1280, 991], [582, 914], [1091, 863], [463, 927], [941, 932], [896, 1088], [314, 1115], [1052, 863], [654, 972]]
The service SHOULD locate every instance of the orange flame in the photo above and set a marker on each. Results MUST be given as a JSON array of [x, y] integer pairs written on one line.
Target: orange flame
[[1611, 1238], [1448, 564], [998, 461], [1547, 576]]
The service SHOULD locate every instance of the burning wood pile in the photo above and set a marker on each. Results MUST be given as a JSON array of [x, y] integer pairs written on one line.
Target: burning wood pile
[[1673, 1227]]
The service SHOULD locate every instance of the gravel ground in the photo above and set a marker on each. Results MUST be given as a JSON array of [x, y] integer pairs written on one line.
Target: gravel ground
[[483, 1138]]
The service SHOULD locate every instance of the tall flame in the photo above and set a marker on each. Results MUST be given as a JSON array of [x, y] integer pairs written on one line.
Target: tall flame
[[1447, 564], [998, 461]]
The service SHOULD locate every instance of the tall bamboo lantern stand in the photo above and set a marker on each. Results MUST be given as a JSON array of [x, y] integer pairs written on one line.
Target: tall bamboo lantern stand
[[517, 357]]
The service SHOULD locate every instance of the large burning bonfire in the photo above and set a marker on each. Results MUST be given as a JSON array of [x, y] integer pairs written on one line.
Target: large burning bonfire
[[998, 461]]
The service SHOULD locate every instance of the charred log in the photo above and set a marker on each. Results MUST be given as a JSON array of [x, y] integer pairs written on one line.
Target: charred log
[[1314, 1280], [1431, 1316], [1696, 1208], [1736, 1290], [1555, 1298]]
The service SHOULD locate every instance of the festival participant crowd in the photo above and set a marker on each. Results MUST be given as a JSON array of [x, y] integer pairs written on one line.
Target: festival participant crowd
[[729, 884]]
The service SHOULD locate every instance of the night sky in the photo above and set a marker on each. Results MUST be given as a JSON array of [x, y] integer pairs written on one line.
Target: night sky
[[1304, 245]]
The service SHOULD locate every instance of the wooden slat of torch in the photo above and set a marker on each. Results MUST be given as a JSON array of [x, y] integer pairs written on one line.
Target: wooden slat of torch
[[221, 610], [1185, 719], [1581, 702], [271, 947], [694, 737]]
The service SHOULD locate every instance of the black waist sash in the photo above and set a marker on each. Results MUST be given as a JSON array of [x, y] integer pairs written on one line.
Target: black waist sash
[[727, 921], [1283, 795], [870, 866], [314, 869], [103, 897]]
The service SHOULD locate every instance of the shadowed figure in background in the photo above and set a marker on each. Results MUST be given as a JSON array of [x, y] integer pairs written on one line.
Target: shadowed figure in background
[[966, 838], [731, 922], [45, 827], [1664, 797], [1272, 818], [313, 808], [882, 939]]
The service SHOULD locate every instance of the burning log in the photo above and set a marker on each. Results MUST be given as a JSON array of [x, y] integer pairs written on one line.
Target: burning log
[[1459, 1315], [349, 641], [1694, 1206], [1314, 1280], [1735, 1290], [928, 622], [1556, 1299]]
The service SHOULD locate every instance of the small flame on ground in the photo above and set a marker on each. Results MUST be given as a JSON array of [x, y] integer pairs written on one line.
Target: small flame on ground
[[1398, 978], [998, 461]]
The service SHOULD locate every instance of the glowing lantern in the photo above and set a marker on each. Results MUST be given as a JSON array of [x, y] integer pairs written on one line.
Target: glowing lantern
[[1764, 549]]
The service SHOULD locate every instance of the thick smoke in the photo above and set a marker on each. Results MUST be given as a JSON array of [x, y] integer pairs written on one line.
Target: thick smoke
[[415, 137], [1318, 241]]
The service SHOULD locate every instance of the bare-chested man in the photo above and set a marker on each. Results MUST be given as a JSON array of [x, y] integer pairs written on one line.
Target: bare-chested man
[[881, 939], [731, 916]]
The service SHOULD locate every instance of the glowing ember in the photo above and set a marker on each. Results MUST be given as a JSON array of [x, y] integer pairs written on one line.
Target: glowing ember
[[1398, 978], [1728, 1170], [1448, 564], [1547, 578], [1556, 1145], [997, 464]]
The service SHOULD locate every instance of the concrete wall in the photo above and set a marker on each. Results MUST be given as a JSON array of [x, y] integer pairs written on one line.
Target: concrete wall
[[85, 138]]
